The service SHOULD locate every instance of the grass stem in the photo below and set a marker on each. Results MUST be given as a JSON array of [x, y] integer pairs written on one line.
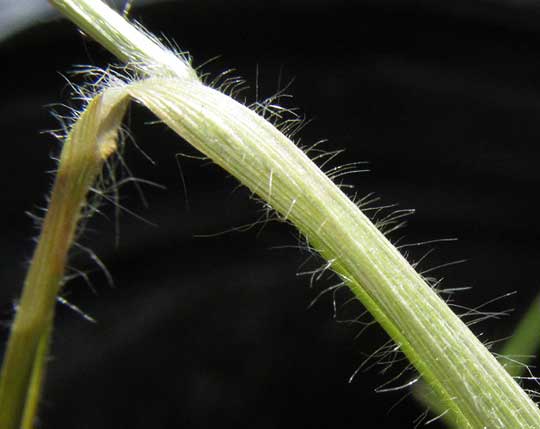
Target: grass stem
[[82, 156], [471, 385]]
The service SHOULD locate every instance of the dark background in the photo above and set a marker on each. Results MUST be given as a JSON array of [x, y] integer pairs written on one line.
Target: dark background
[[443, 100]]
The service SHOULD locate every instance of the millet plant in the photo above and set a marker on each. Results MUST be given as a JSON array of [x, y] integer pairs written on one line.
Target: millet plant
[[467, 384]]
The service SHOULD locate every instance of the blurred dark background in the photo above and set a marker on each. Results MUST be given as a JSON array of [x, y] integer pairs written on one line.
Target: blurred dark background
[[441, 97]]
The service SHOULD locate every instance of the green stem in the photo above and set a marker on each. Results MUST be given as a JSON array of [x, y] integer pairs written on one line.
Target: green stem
[[141, 51], [516, 354], [524, 343], [36, 307], [36, 380], [470, 383], [80, 163], [468, 380]]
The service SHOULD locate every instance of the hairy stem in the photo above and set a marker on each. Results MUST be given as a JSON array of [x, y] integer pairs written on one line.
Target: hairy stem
[[469, 382], [471, 385], [89, 142]]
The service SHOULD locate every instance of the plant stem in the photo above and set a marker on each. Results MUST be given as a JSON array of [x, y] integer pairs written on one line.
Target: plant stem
[[141, 51], [524, 342], [35, 384], [80, 163], [516, 354], [468, 380]]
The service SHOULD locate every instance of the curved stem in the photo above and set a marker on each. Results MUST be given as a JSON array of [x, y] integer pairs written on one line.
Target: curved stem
[[468, 380]]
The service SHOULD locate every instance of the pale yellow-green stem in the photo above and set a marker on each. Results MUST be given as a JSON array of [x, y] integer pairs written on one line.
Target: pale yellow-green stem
[[469, 382], [91, 140]]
